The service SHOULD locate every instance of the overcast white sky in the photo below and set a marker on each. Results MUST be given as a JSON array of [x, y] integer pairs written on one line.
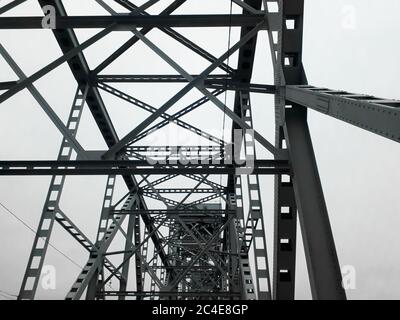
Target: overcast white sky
[[348, 44]]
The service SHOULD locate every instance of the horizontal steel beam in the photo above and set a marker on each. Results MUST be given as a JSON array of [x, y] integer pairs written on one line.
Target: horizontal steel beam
[[239, 86], [226, 82], [377, 115], [132, 167], [127, 22], [174, 293], [153, 78], [185, 212], [180, 190]]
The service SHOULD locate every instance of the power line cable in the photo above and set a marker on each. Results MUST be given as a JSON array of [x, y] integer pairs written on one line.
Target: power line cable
[[49, 243], [34, 232], [226, 82]]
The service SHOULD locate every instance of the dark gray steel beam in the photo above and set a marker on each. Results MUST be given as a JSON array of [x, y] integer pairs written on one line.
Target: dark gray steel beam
[[133, 167], [180, 190], [239, 86], [288, 42], [208, 213], [171, 32], [322, 261], [212, 82], [67, 41], [7, 85], [132, 41], [126, 23], [125, 269], [193, 82], [11, 5], [377, 115], [244, 73], [154, 78], [175, 294]]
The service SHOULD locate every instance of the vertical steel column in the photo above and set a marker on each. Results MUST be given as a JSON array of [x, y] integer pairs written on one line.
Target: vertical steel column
[[105, 209], [145, 255], [255, 230], [94, 282], [287, 45], [152, 282], [128, 244], [96, 259], [233, 246], [246, 279], [322, 261], [45, 228], [138, 261]]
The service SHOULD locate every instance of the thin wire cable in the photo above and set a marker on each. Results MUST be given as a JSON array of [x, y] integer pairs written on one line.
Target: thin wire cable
[[34, 232], [226, 83], [8, 295]]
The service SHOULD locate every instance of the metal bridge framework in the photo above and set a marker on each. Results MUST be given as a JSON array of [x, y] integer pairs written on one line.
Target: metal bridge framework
[[193, 250]]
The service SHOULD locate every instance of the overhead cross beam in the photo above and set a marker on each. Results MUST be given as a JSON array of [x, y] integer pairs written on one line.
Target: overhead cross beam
[[126, 23], [133, 167]]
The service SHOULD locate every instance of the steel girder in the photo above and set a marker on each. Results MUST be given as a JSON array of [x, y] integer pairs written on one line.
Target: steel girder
[[376, 115], [79, 67], [134, 167], [126, 23], [285, 41], [322, 261]]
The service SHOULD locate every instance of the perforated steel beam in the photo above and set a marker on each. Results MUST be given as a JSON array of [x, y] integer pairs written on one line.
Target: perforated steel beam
[[286, 50], [79, 67], [377, 115], [133, 167]]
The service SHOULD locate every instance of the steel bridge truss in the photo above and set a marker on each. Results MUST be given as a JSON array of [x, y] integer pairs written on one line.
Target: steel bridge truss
[[192, 249]]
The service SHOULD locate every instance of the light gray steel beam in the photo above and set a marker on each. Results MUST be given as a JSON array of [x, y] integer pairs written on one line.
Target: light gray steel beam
[[198, 103], [132, 41], [25, 83], [142, 126], [171, 32], [92, 266], [40, 244], [43, 104], [197, 82], [78, 235], [377, 115], [143, 105], [128, 241]]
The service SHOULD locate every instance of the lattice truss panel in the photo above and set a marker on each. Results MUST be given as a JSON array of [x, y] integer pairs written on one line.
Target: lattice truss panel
[[169, 86]]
